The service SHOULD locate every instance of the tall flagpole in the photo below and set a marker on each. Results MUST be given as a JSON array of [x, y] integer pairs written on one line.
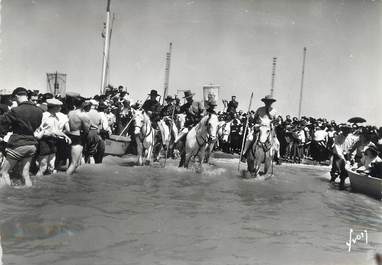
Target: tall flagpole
[[302, 83], [167, 73], [273, 74], [105, 49], [245, 131], [108, 53]]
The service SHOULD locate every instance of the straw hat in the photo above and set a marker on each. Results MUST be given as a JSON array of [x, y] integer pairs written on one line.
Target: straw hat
[[268, 98]]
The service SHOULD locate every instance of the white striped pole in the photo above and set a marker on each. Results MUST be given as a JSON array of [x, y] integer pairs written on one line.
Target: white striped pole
[[273, 74]]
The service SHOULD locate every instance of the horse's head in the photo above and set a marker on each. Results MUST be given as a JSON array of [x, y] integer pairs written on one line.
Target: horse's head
[[264, 133], [212, 123], [139, 120], [180, 120]]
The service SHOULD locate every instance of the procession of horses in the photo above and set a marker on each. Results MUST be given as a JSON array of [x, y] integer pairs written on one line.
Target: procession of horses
[[201, 138]]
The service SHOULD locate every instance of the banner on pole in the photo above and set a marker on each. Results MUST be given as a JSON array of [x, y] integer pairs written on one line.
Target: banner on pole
[[211, 92], [56, 83]]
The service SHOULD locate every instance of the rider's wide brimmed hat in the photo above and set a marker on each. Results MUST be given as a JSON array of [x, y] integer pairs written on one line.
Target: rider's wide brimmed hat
[[153, 92], [188, 94], [169, 98], [268, 98]]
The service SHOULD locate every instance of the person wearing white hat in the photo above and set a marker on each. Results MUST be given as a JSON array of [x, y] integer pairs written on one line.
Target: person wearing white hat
[[47, 135]]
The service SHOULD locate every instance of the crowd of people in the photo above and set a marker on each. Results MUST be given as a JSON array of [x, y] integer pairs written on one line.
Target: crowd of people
[[42, 133]]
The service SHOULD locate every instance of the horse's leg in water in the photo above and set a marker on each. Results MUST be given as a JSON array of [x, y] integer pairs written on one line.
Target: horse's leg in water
[[207, 153], [259, 158], [267, 162], [201, 155], [139, 150], [150, 141], [250, 161], [187, 159]]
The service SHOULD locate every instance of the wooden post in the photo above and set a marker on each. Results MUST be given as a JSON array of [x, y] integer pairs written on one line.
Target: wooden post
[[105, 49]]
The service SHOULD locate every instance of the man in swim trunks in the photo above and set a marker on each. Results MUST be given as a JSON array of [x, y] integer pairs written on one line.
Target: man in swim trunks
[[79, 125]]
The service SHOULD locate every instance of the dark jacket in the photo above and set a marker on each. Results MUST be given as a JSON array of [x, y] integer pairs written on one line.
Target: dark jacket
[[232, 106], [23, 121], [155, 108], [193, 111], [168, 110]]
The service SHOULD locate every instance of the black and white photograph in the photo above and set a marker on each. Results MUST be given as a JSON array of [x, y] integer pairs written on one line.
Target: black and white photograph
[[187, 132]]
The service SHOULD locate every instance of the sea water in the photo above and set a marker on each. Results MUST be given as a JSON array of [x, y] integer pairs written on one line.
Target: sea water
[[118, 213]]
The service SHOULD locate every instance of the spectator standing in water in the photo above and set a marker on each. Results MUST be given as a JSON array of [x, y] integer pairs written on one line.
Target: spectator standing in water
[[24, 120], [79, 125], [48, 134]]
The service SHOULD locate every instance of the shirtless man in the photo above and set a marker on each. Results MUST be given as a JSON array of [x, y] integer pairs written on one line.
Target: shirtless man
[[79, 125]]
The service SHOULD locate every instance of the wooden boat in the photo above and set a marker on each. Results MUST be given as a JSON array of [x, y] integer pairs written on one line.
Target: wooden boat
[[117, 145], [365, 184]]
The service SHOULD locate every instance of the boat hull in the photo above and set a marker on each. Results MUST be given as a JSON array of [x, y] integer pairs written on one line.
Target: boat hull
[[116, 145], [365, 184]]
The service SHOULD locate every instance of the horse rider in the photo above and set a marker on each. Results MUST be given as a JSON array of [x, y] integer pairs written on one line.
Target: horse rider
[[177, 104], [210, 106], [194, 113], [264, 116], [152, 107], [167, 115]]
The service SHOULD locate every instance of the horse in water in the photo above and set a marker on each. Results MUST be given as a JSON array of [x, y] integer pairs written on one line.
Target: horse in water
[[144, 135], [262, 151], [223, 131], [198, 138]]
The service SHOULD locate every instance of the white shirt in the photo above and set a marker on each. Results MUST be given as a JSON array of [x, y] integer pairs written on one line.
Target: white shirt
[[320, 135], [49, 124], [262, 116]]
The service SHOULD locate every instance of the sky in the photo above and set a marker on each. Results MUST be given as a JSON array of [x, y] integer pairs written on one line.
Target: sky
[[226, 42]]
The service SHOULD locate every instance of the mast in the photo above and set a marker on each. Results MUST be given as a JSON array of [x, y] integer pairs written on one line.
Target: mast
[[302, 82], [273, 74], [106, 49], [108, 53], [55, 84], [167, 72]]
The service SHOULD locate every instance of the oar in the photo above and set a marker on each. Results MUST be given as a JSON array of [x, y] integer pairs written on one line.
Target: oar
[[245, 131]]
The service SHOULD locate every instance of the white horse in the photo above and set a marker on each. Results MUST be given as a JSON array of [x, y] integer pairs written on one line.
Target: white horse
[[198, 138], [144, 135], [223, 131], [262, 151], [180, 119]]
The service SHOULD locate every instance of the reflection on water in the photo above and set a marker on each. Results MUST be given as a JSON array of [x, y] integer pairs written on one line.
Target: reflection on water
[[113, 214]]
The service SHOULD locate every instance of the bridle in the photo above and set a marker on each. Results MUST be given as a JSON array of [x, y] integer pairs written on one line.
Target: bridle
[[142, 136], [266, 146]]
